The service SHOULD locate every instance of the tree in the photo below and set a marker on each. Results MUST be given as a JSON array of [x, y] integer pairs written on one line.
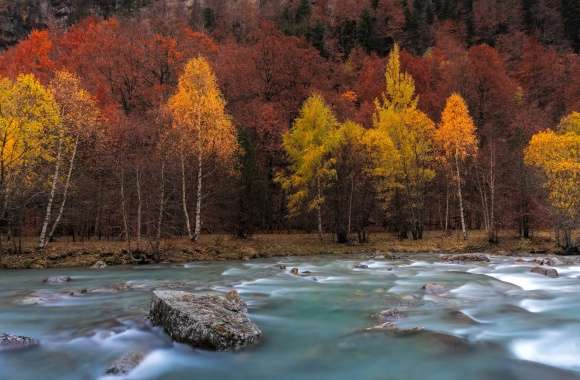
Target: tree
[[411, 132], [349, 159], [306, 145], [199, 114], [457, 140], [557, 154], [28, 115], [79, 115]]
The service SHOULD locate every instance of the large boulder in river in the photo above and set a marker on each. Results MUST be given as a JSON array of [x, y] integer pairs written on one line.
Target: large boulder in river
[[14, 342], [548, 272], [205, 321]]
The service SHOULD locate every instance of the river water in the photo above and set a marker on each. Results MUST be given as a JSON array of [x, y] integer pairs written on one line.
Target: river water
[[513, 324]]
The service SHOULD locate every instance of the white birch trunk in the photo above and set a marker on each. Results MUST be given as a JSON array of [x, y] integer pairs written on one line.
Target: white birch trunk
[[65, 191], [197, 230], [184, 196], [43, 233], [459, 195]]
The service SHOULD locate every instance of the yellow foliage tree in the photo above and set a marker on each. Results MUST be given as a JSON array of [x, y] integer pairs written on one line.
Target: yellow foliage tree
[[79, 116], [307, 147], [457, 140], [28, 112], [200, 117], [407, 168], [557, 154]]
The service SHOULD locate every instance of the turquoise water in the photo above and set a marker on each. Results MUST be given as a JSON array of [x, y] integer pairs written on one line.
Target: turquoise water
[[519, 325]]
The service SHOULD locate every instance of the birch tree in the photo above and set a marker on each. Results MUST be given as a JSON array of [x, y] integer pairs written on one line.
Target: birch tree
[[457, 140], [28, 112], [557, 154], [79, 116], [205, 130]]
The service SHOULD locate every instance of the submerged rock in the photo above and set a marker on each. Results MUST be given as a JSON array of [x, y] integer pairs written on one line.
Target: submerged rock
[[205, 321], [389, 315], [466, 257], [99, 265], [434, 289], [462, 318], [548, 272], [57, 280], [125, 364], [549, 261], [14, 342]]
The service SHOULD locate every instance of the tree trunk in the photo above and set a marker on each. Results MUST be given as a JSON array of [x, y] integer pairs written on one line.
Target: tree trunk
[[350, 205], [124, 210], [447, 207], [161, 208], [43, 233], [139, 206], [197, 231], [66, 187], [184, 195], [460, 197], [492, 229], [319, 209]]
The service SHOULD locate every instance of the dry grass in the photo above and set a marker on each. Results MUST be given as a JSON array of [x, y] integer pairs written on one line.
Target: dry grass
[[66, 253]]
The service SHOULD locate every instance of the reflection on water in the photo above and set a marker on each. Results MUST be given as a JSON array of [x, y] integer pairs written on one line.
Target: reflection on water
[[493, 320]]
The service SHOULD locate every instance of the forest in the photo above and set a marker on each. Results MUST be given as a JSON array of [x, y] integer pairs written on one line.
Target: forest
[[144, 121]]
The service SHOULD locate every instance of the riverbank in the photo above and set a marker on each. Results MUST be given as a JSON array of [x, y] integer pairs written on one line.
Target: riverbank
[[69, 254]]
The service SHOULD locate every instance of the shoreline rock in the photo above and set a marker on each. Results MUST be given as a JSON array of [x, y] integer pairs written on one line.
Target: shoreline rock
[[204, 321]]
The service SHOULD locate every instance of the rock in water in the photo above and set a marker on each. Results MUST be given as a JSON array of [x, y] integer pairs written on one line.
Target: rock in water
[[99, 265], [548, 272], [57, 280], [465, 257], [13, 342], [125, 364], [434, 289], [549, 261], [205, 321]]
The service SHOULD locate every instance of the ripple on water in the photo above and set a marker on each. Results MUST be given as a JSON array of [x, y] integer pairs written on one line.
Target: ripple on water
[[552, 347]]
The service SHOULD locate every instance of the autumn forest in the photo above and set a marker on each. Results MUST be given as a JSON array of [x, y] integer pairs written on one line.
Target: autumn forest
[[152, 121]]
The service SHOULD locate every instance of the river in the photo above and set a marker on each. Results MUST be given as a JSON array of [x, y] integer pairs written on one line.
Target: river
[[513, 324]]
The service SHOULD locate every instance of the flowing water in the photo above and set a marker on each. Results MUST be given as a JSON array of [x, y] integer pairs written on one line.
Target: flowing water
[[514, 324]]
